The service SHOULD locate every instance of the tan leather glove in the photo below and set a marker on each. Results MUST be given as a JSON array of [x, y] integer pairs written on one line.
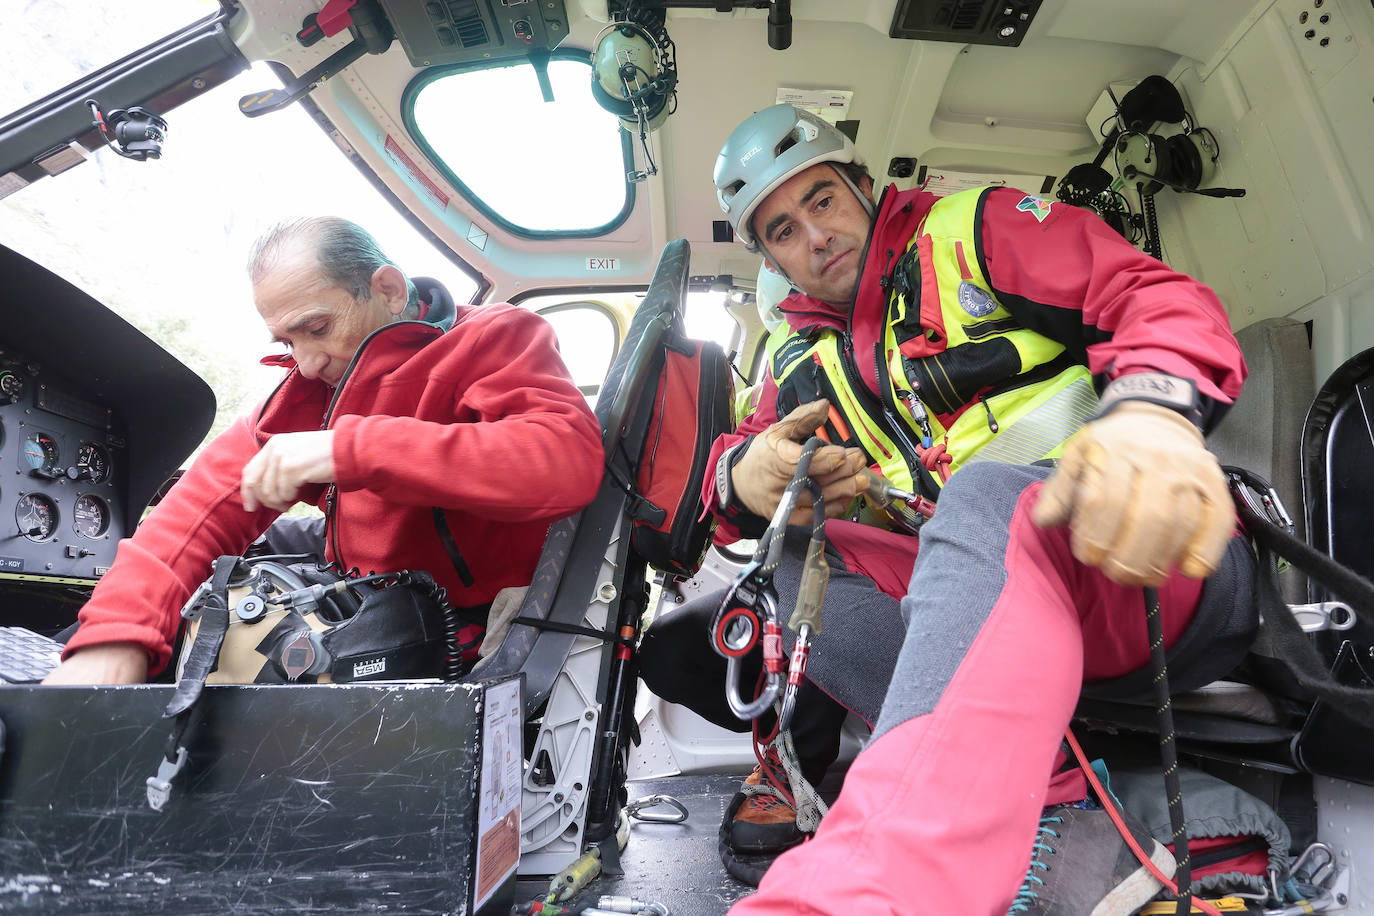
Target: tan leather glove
[[1141, 495], [505, 607], [766, 468]]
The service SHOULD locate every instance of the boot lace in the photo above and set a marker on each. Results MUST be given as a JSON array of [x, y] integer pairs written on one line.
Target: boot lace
[[1028, 893]]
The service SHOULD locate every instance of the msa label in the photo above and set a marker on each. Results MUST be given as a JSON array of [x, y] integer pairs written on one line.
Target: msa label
[[603, 263], [365, 669]]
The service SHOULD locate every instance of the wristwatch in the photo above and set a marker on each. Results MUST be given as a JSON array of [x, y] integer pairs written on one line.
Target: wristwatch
[[1170, 391]]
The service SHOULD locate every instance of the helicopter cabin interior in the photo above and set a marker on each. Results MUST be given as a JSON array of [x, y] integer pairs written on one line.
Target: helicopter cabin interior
[[557, 155]]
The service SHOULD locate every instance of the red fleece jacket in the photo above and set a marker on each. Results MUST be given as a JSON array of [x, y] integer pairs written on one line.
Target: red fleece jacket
[[1067, 276], [482, 421]]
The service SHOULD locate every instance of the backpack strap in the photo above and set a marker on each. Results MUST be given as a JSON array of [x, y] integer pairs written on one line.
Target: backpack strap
[[1285, 638]]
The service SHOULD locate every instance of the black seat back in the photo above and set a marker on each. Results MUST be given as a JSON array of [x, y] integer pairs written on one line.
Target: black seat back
[[569, 572]]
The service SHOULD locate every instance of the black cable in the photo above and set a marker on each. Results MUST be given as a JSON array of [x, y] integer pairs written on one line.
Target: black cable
[[1168, 753], [1147, 209]]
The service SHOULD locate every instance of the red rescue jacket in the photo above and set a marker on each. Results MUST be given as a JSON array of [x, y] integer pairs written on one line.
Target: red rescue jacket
[[1068, 276], [483, 422]]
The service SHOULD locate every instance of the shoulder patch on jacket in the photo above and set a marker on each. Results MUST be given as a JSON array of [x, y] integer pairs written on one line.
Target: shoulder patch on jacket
[[1036, 207], [789, 353]]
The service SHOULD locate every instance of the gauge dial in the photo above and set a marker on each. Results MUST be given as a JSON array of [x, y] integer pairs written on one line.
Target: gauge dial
[[36, 516], [91, 516], [92, 463], [40, 451], [12, 384]]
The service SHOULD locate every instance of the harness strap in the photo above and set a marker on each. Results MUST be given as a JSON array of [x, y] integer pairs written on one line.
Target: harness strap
[[204, 655], [575, 629], [455, 556]]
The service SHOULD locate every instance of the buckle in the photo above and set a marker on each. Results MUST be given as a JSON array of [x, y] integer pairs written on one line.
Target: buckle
[[160, 786]]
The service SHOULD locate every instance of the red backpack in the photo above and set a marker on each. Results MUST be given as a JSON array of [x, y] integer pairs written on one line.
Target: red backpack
[[692, 406]]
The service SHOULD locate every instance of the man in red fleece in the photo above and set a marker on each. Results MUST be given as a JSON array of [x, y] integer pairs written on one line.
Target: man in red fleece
[[448, 451], [958, 346]]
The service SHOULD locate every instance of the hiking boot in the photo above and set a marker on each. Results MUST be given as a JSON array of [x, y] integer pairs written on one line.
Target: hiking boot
[[757, 828], [1080, 865], [762, 822]]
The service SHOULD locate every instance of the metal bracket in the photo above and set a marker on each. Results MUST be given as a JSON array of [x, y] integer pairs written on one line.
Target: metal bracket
[[1323, 615]]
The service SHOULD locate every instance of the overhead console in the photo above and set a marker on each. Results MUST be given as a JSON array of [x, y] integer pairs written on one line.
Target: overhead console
[[94, 417], [978, 22], [439, 32]]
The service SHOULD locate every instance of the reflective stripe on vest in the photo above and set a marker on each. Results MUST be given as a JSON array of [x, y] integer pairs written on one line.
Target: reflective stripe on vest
[[995, 377]]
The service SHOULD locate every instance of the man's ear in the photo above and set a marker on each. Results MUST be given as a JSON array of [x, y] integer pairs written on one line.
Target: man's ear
[[390, 284], [866, 186]]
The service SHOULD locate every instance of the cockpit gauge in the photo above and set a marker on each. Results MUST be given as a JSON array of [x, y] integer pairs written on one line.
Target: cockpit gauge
[[36, 516], [12, 386], [91, 516], [40, 451], [92, 463]]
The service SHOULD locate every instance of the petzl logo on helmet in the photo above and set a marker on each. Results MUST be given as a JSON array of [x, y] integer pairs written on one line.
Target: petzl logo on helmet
[[1035, 207], [975, 301], [744, 160]]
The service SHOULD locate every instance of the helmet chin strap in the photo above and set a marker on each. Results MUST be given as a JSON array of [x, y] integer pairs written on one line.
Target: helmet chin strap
[[868, 205]]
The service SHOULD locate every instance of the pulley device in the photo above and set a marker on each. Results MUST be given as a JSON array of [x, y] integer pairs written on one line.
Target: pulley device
[[634, 73], [1147, 161]]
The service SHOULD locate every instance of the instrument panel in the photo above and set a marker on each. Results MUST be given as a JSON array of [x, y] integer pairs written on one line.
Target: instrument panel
[[63, 476]]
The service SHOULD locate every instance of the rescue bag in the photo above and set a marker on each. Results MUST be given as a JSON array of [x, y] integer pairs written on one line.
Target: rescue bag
[[692, 406]]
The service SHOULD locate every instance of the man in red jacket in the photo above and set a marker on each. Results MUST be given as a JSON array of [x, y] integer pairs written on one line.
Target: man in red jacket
[[958, 346], [447, 451]]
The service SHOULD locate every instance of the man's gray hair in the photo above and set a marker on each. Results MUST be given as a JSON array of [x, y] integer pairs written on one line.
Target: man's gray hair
[[348, 255]]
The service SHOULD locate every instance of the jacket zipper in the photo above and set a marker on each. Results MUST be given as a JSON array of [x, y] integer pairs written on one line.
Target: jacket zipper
[[331, 494], [910, 453], [992, 421], [1041, 373]]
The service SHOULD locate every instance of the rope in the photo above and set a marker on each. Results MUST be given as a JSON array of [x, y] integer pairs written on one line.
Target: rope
[[807, 801], [1168, 751], [1109, 806], [937, 460]]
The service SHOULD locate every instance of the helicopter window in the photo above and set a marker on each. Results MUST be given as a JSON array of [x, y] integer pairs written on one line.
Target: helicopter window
[[538, 168], [587, 339], [173, 265]]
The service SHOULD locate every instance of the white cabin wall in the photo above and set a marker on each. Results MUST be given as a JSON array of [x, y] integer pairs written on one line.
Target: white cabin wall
[[1295, 121]]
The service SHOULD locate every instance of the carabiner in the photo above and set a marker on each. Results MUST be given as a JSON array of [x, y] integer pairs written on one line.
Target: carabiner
[[1258, 495], [796, 668], [634, 808], [773, 665]]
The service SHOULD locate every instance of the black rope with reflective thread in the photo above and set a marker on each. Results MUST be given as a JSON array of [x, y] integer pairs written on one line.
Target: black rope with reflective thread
[[1168, 753]]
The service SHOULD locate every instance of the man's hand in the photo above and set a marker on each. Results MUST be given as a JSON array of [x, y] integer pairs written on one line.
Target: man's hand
[[1141, 495], [765, 470], [108, 663], [288, 462]]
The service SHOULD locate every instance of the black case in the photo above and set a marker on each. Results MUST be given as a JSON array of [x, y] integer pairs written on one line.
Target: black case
[[335, 798]]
